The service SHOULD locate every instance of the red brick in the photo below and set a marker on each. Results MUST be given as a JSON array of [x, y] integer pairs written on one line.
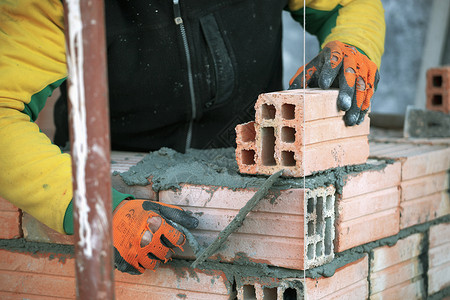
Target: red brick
[[410, 290], [438, 89], [439, 234], [417, 160], [439, 255], [271, 233], [10, 225], [366, 229], [424, 209], [426, 185], [349, 282], [301, 132], [35, 231], [372, 180], [404, 250], [5, 205]]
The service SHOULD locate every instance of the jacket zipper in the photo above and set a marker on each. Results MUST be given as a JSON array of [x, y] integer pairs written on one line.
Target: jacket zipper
[[179, 22]]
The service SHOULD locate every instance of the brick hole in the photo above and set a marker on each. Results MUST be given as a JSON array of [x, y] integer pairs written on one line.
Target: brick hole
[[288, 159], [268, 146], [310, 251], [319, 208], [328, 236], [437, 81], [436, 100], [269, 293], [268, 111], [248, 133], [249, 292], [310, 228], [310, 206], [329, 202], [288, 111], [248, 157], [288, 134], [289, 294], [319, 249]]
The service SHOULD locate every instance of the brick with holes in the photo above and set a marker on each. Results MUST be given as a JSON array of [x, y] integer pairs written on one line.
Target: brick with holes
[[301, 132], [438, 89]]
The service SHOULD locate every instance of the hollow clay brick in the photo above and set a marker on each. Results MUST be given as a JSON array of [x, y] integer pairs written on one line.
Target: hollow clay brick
[[271, 233], [425, 185], [417, 160], [349, 282], [411, 290], [424, 209], [46, 276], [439, 258], [301, 133], [438, 89]]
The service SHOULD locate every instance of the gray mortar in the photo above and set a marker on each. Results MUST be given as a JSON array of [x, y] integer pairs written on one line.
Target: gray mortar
[[62, 252], [217, 167], [440, 295]]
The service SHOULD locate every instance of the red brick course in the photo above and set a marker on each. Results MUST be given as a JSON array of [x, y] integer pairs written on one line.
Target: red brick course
[[439, 258], [349, 282], [9, 220], [438, 89], [41, 277], [291, 133]]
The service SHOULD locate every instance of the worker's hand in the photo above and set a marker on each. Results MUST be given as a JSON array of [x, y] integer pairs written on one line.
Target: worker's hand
[[357, 78], [142, 236]]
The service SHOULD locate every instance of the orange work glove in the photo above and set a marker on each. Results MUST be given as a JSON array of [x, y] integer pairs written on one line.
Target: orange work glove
[[357, 78], [131, 232]]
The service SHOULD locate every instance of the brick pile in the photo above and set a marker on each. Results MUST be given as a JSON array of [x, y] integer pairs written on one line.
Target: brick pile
[[290, 133]]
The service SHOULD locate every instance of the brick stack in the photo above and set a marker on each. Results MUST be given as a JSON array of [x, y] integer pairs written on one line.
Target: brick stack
[[438, 89], [424, 181], [291, 133]]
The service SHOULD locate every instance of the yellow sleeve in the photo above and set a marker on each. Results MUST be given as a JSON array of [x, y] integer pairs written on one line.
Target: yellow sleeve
[[35, 176], [356, 22]]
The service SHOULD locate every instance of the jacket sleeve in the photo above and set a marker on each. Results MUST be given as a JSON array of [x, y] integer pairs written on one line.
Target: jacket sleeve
[[35, 175], [356, 22]]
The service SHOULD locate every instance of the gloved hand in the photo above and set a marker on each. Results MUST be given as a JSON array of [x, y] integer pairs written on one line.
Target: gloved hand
[[143, 237], [357, 78]]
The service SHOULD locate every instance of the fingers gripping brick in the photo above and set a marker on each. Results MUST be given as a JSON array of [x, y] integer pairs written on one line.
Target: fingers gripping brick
[[130, 224]]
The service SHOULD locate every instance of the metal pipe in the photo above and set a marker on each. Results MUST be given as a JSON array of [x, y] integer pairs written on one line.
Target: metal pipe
[[90, 147]]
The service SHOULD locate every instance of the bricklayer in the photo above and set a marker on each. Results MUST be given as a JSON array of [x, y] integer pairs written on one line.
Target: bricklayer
[[22, 275], [439, 258], [290, 133], [438, 89], [349, 282]]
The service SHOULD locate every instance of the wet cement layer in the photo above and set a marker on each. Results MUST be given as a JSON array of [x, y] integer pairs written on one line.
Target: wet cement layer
[[217, 167]]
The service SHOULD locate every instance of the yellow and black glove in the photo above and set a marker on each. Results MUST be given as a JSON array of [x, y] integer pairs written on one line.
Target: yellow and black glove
[[342, 65]]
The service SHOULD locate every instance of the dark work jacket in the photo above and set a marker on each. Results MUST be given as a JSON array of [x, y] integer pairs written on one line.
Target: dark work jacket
[[226, 51]]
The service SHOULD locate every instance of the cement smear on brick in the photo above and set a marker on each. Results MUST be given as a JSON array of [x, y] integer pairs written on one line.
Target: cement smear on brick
[[217, 167], [53, 251]]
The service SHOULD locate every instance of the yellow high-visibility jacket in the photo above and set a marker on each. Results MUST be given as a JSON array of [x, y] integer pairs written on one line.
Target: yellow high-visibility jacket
[[35, 175]]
